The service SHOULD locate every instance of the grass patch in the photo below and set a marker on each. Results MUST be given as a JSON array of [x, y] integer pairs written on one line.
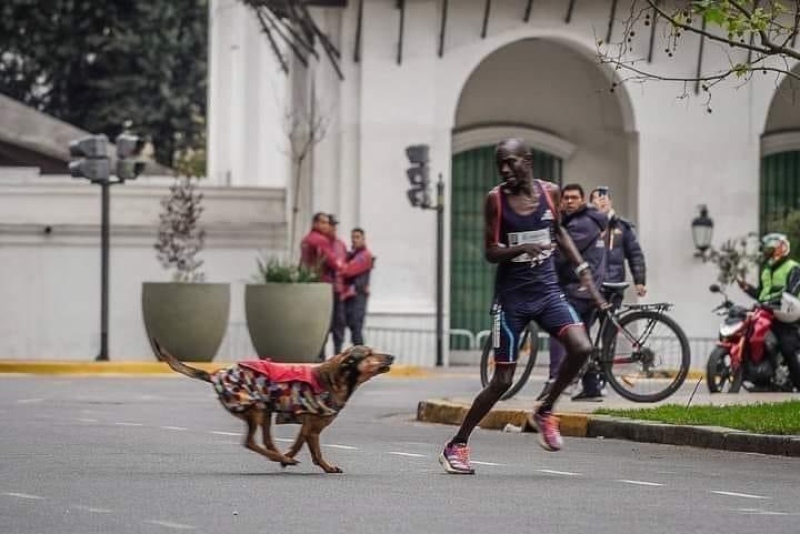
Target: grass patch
[[781, 418]]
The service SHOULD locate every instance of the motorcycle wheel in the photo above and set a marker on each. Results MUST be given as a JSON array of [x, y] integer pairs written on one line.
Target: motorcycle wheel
[[719, 372]]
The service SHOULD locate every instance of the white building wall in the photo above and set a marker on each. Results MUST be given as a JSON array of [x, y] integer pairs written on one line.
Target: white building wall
[[50, 261]]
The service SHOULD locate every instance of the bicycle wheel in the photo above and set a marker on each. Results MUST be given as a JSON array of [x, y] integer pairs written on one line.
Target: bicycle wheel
[[526, 359], [647, 358]]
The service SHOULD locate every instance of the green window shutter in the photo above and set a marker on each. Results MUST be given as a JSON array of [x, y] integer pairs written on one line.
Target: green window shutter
[[779, 190]]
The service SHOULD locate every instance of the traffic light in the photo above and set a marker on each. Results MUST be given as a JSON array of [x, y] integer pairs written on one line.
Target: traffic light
[[418, 176], [92, 154], [129, 166]]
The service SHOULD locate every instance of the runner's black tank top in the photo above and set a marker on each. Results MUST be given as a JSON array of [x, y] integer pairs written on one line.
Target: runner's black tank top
[[526, 276]]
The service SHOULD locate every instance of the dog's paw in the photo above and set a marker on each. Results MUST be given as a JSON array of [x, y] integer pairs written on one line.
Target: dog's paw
[[289, 461], [332, 469]]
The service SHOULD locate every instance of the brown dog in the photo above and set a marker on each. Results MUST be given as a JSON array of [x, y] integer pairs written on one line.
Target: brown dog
[[309, 394]]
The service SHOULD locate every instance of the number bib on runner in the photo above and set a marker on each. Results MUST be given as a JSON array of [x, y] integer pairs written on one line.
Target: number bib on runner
[[536, 237]]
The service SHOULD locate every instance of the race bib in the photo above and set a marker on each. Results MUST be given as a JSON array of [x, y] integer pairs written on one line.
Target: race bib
[[538, 237]]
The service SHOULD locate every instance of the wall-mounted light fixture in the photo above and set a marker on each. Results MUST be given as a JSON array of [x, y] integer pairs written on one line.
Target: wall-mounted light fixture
[[702, 230]]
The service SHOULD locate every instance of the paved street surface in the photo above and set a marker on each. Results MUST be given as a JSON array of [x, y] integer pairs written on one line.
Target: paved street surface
[[115, 455]]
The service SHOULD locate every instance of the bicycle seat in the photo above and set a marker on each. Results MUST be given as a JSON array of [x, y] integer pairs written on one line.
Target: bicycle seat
[[616, 286]]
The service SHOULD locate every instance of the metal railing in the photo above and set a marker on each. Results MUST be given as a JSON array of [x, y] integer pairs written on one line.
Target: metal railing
[[417, 346]]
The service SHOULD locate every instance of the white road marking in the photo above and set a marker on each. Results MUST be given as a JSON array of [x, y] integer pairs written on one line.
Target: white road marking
[[640, 483], [409, 454], [565, 473], [29, 401], [476, 462], [285, 440], [93, 510], [87, 420], [23, 495], [170, 524], [758, 511], [174, 428], [745, 495], [129, 424], [225, 433], [345, 447]]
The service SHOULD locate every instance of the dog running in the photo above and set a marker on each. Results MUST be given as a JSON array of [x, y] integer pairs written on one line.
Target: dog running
[[311, 395]]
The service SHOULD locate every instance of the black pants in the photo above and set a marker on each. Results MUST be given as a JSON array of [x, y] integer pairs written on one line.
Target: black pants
[[355, 311], [336, 327], [591, 378], [337, 324], [789, 341]]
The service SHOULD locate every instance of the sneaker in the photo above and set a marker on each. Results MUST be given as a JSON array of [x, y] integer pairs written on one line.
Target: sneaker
[[455, 459], [588, 397], [549, 435]]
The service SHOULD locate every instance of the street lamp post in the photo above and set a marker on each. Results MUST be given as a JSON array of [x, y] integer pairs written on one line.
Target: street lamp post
[[91, 161]]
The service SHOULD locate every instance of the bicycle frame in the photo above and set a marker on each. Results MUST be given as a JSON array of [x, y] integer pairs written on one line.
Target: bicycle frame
[[609, 318]]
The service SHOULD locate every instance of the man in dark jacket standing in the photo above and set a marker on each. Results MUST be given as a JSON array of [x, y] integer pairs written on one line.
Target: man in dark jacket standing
[[586, 226], [622, 244]]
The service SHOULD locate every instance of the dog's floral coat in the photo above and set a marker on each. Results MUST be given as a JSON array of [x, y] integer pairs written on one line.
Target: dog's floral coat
[[283, 388]]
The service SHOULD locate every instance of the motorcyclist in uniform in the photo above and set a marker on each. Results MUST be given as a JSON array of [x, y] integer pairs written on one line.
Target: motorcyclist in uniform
[[779, 274]]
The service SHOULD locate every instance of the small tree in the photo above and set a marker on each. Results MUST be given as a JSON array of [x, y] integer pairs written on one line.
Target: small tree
[[304, 130], [734, 258], [758, 36], [179, 237]]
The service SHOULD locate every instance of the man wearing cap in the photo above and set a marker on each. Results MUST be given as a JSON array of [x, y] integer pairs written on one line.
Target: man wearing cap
[[622, 244]]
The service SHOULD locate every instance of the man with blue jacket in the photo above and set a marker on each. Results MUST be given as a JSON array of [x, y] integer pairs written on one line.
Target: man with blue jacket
[[586, 226]]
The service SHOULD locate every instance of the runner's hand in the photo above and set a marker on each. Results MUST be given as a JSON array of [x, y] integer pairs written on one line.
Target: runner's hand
[[534, 249]]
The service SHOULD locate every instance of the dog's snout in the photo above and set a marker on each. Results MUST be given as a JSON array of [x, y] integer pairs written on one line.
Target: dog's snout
[[389, 358]]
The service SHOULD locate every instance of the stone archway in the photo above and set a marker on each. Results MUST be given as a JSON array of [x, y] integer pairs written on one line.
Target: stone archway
[[779, 188], [554, 96]]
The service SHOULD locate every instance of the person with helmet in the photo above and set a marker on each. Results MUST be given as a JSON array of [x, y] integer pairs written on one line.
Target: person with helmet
[[779, 284]]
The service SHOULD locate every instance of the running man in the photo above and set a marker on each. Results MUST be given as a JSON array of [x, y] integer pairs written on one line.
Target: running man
[[521, 225]]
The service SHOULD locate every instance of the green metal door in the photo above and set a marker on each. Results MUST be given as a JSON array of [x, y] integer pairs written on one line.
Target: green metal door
[[780, 187], [474, 173]]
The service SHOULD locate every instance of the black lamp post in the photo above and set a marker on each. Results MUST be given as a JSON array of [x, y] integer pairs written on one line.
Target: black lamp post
[[702, 230]]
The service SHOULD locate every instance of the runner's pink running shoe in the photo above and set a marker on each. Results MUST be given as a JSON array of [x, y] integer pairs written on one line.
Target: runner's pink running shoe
[[549, 434], [455, 459]]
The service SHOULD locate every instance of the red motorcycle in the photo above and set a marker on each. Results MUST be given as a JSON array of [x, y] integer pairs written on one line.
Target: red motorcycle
[[747, 351]]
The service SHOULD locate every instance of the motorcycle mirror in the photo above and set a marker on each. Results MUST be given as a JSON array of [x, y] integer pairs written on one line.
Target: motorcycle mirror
[[714, 288]]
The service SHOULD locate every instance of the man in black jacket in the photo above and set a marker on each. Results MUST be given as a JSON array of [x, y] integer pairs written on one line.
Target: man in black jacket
[[586, 226]]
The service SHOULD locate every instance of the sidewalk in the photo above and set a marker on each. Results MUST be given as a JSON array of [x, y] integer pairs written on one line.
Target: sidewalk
[[114, 368], [577, 419]]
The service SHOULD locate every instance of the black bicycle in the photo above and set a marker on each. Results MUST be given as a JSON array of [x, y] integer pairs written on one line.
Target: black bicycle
[[638, 349]]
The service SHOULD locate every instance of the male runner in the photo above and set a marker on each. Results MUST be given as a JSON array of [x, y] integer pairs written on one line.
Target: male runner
[[521, 224]]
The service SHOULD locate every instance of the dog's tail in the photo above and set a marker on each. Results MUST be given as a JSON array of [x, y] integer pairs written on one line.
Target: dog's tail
[[178, 365]]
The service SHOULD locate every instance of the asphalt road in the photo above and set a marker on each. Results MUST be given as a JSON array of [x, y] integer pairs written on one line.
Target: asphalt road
[[113, 455]]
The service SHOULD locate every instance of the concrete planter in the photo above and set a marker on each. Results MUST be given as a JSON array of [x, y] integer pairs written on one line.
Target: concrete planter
[[188, 319], [288, 322]]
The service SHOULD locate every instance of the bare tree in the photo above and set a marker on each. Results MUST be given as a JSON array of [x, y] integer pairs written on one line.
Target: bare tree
[[305, 128], [759, 37]]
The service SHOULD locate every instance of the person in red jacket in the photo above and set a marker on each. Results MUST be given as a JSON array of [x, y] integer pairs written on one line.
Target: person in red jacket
[[339, 251], [315, 249], [355, 273]]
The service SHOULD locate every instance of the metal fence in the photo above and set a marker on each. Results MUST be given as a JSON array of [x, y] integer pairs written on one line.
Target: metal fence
[[415, 346]]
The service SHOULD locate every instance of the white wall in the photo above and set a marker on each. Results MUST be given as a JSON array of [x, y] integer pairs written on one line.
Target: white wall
[[50, 261], [247, 99]]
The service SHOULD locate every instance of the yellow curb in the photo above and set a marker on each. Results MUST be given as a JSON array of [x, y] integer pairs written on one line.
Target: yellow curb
[[138, 368], [451, 413]]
